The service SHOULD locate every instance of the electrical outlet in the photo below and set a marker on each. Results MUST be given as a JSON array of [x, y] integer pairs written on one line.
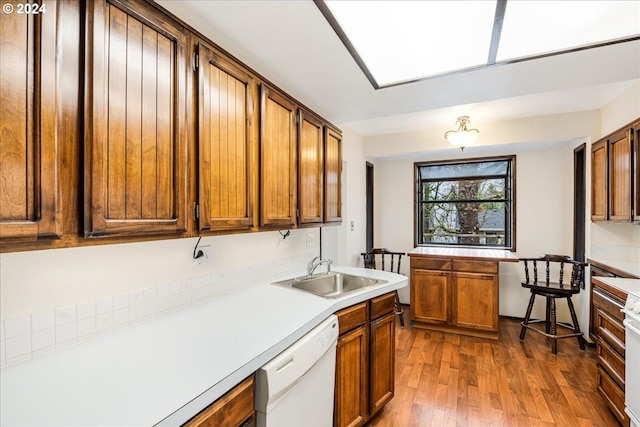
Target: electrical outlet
[[310, 239], [205, 259]]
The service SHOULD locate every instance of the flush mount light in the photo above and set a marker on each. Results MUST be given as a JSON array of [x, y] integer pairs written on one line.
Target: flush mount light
[[462, 137]]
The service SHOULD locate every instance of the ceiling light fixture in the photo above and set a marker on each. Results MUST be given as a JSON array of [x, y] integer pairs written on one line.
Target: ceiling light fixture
[[462, 137]]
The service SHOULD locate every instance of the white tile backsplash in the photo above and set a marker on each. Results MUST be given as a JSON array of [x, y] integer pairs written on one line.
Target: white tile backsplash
[[66, 315], [17, 327], [26, 337], [43, 320]]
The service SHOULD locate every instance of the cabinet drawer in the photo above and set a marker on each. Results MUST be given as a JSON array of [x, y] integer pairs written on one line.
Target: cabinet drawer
[[475, 266], [608, 305], [232, 409], [612, 394], [382, 305], [611, 361], [352, 317], [431, 263], [610, 330]]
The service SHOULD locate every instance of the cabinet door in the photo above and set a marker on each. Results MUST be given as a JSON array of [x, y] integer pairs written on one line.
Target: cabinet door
[[636, 171], [430, 294], [620, 176], [352, 368], [29, 176], [333, 176], [236, 408], [277, 159], [599, 183], [382, 361], [474, 298], [224, 151], [135, 121], [310, 168]]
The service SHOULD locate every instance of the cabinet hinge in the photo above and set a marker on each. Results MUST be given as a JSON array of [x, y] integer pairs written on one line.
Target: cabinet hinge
[[195, 61], [196, 211]]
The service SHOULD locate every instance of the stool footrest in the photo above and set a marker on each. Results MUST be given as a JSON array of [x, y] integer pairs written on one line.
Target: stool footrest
[[556, 336]]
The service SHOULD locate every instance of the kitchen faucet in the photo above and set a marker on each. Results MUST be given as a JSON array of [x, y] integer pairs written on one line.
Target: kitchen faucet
[[316, 262]]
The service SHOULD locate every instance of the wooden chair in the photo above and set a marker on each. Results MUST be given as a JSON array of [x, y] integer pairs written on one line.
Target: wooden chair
[[371, 258], [553, 285]]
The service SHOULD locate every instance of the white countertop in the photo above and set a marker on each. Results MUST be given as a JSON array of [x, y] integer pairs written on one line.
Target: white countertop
[[468, 253], [166, 370], [630, 286], [632, 268]]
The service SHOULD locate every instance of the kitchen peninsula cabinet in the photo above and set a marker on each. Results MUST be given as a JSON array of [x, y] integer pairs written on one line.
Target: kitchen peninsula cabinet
[[365, 360], [135, 121], [614, 176], [225, 118], [30, 155], [456, 290], [277, 159], [235, 409]]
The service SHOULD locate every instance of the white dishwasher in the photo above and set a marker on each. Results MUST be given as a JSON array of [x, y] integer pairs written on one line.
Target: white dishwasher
[[296, 387]]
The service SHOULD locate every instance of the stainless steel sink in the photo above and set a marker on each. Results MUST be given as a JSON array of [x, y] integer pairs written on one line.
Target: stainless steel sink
[[332, 285]]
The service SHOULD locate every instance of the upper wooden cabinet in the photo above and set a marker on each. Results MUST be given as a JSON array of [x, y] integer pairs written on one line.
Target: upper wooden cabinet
[[599, 190], [636, 170], [620, 178], [277, 159], [310, 168], [333, 175], [614, 176], [135, 120], [225, 108], [29, 111]]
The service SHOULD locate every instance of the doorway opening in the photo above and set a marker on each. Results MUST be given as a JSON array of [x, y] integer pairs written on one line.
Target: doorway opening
[[579, 201], [369, 191]]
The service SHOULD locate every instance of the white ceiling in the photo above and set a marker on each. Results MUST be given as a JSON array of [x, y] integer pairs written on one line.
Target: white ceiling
[[291, 44]]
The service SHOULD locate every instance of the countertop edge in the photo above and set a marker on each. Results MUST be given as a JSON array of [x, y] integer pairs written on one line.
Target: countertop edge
[[616, 269]]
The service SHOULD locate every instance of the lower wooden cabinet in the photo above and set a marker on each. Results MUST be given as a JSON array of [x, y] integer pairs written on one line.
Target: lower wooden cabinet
[[608, 331], [365, 360], [235, 409], [459, 296]]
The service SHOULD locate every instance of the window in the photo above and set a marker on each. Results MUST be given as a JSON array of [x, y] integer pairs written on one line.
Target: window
[[466, 203]]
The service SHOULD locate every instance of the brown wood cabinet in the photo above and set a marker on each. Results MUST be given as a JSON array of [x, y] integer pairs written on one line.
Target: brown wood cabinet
[[118, 120], [599, 181], [608, 331], [310, 168], [451, 295], [636, 170], [333, 176], [235, 409], [365, 360], [277, 159], [30, 171], [620, 178], [614, 176], [135, 121], [225, 111]]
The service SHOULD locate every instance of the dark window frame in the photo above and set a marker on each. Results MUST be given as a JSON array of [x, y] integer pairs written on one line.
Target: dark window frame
[[509, 199]]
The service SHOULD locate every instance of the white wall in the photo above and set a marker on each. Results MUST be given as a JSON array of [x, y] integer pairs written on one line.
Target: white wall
[[544, 220], [36, 281]]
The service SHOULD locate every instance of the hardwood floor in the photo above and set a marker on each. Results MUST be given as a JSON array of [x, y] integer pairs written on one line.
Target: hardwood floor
[[451, 380]]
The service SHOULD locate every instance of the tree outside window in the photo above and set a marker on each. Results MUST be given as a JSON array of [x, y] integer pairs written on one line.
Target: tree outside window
[[465, 203]]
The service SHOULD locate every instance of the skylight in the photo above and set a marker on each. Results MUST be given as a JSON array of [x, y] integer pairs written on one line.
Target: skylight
[[397, 42]]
